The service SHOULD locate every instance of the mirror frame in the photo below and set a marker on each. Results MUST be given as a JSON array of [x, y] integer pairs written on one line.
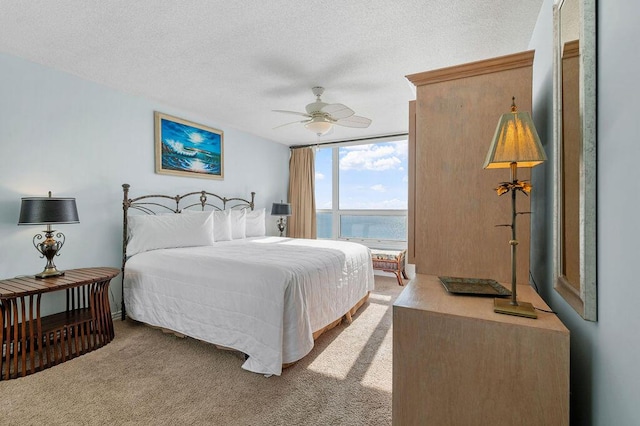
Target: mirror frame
[[583, 301]]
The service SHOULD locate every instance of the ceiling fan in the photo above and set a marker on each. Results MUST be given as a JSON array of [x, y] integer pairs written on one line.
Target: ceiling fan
[[320, 116]]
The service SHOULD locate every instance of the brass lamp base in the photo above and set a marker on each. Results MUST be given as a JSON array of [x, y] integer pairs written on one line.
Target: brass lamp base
[[281, 226], [522, 309], [49, 273], [49, 248]]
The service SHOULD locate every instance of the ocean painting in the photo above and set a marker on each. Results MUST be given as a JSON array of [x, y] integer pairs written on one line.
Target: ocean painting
[[188, 149]]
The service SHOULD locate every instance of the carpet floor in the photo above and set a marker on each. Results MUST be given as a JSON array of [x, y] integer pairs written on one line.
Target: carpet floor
[[147, 377]]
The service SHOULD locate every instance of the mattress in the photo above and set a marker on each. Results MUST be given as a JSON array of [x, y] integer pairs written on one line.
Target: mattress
[[262, 296]]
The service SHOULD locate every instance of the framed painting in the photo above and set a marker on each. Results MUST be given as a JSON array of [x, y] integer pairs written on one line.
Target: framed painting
[[184, 148]]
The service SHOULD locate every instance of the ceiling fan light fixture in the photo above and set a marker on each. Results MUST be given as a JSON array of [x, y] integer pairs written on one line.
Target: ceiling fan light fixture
[[322, 116], [319, 127]]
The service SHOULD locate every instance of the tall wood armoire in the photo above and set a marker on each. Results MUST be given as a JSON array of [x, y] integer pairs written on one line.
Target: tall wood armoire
[[453, 207]]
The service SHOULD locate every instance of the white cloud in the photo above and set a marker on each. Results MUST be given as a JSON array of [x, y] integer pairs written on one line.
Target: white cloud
[[319, 176], [405, 178], [402, 149], [378, 187], [386, 163], [372, 157]]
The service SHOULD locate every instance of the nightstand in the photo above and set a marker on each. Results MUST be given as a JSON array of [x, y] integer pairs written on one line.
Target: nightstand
[[31, 343]]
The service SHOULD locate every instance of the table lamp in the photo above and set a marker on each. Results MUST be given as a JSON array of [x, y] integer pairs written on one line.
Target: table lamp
[[48, 211], [515, 144], [281, 209]]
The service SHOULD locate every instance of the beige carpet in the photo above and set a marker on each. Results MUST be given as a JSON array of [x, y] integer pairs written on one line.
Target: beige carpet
[[147, 377]]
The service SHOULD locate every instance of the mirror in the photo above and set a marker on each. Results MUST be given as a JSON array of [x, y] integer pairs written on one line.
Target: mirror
[[574, 151]]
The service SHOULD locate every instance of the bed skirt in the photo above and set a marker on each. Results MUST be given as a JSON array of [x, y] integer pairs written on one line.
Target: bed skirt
[[348, 317]]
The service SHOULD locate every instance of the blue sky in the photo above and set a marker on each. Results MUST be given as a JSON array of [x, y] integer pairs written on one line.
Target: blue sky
[[372, 176]]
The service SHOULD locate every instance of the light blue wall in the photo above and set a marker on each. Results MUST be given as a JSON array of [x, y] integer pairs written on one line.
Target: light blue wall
[[605, 372], [79, 139]]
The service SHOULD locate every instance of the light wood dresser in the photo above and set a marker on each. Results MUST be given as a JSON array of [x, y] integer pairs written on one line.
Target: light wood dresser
[[456, 362]]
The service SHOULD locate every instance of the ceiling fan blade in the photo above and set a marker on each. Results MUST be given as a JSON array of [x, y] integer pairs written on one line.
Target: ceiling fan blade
[[354, 121], [304, 114], [338, 111], [293, 122]]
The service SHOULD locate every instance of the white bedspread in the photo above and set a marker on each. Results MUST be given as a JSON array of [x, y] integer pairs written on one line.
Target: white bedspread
[[262, 296]]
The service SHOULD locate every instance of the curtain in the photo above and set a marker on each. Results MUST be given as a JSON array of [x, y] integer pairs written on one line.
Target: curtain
[[302, 222]]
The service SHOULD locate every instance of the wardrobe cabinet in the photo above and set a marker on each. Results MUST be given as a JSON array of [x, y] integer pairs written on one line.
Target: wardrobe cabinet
[[453, 207]]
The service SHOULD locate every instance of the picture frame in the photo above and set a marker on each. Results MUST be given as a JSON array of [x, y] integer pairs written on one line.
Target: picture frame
[[185, 148]]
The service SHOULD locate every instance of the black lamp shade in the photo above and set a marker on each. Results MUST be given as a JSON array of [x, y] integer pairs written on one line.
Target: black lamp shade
[[281, 209], [48, 210]]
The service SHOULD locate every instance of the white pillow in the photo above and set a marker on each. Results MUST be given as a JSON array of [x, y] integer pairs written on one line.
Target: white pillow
[[255, 223], [151, 232], [222, 226], [238, 224]]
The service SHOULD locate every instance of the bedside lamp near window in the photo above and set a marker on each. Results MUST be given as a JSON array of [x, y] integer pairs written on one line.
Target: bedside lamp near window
[[281, 209], [48, 211]]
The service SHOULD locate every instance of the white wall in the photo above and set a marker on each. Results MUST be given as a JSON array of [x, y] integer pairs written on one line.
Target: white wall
[[79, 139], [604, 355]]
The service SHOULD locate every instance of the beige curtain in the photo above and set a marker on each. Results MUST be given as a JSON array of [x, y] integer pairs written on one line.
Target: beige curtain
[[302, 222]]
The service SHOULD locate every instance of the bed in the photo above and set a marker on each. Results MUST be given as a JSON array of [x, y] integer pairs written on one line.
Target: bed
[[201, 265]]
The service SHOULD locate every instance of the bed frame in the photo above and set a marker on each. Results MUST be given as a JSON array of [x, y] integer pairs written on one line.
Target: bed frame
[[157, 203]]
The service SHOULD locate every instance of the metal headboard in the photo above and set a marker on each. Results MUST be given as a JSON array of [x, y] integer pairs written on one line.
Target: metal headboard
[[158, 203]]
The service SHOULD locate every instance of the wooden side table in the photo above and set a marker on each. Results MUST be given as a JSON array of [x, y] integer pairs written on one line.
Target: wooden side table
[[32, 343], [390, 261]]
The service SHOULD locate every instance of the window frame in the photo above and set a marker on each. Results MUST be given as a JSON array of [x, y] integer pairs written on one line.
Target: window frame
[[337, 213]]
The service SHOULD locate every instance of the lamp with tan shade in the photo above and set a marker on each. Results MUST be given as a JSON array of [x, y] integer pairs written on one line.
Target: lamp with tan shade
[[515, 144]]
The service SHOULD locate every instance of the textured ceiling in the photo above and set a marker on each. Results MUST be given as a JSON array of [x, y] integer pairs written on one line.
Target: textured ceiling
[[233, 62]]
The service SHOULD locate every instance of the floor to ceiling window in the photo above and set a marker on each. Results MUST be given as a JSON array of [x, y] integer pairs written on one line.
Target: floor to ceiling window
[[361, 192]]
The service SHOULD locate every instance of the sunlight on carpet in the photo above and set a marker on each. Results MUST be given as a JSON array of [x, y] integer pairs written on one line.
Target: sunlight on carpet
[[379, 374], [358, 339], [373, 297]]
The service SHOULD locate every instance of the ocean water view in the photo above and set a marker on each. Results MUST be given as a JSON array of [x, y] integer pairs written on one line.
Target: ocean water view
[[392, 228]]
